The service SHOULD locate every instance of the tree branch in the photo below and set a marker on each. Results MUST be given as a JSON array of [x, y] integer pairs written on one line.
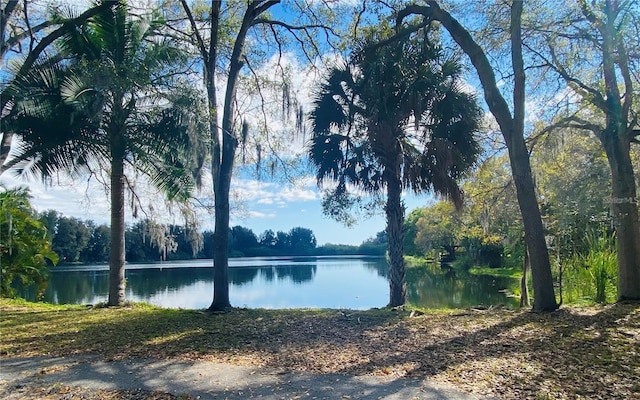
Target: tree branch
[[623, 63], [496, 102], [196, 31], [575, 83], [293, 27], [573, 122], [358, 19]]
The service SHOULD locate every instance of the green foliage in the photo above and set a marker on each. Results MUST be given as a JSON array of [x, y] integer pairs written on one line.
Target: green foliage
[[302, 239], [484, 251], [349, 208], [25, 248], [571, 168], [69, 235], [463, 262], [438, 226], [97, 248], [505, 272], [242, 240], [592, 274], [410, 229], [148, 241]]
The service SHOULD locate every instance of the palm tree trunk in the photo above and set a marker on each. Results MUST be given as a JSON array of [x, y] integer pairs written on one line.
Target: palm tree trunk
[[117, 251], [395, 219]]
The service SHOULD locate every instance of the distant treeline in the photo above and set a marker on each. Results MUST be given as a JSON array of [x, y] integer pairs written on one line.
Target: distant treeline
[[77, 241]]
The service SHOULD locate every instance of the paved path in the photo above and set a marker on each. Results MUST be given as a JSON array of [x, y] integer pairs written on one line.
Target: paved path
[[213, 380]]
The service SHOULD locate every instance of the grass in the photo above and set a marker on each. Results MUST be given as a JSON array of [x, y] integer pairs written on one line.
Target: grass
[[575, 352], [419, 262], [506, 272]]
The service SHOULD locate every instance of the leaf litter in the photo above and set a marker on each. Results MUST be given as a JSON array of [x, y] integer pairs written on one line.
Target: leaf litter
[[576, 352]]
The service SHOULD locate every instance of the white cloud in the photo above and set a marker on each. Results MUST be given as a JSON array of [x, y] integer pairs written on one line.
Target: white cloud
[[270, 193], [265, 201], [258, 214], [298, 194]]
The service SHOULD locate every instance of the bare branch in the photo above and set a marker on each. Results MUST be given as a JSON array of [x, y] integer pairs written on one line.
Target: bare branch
[[573, 122], [358, 19], [260, 8], [263, 103], [259, 87], [575, 83], [290, 27], [17, 38], [623, 63], [4, 16], [25, 8], [196, 31], [275, 37], [293, 28]]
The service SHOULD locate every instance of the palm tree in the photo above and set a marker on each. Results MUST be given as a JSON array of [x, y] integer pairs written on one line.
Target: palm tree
[[395, 118], [15, 36], [100, 102]]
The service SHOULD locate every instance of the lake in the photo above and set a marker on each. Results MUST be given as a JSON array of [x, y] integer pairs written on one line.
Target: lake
[[276, 282]]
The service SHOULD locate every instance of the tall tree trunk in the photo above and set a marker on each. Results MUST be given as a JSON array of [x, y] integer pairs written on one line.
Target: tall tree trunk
[[625, 216], [394, 210], [616, 140], [221, 300], [224, 142], [117, 250], [226, 154], [542, 281], [222, 187], [220, 171], [221, 161], [513, 132], [543, 294]]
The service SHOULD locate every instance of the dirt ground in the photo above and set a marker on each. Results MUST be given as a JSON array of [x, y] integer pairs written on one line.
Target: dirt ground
[[576, 352]]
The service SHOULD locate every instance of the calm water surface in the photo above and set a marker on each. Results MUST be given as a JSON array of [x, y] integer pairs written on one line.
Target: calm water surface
[[274, 282]]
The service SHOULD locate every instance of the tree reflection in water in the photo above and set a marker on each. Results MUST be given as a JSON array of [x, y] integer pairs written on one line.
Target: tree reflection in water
[[298, 274], [293, 282]]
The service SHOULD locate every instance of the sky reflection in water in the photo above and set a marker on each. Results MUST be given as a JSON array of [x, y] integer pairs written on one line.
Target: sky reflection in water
[[286, 282]]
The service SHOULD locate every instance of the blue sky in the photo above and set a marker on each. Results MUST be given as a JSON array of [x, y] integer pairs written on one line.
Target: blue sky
[[266, 205], [258, 205]]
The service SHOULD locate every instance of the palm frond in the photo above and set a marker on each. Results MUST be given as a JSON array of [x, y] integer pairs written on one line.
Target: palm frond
[[395, 85]]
